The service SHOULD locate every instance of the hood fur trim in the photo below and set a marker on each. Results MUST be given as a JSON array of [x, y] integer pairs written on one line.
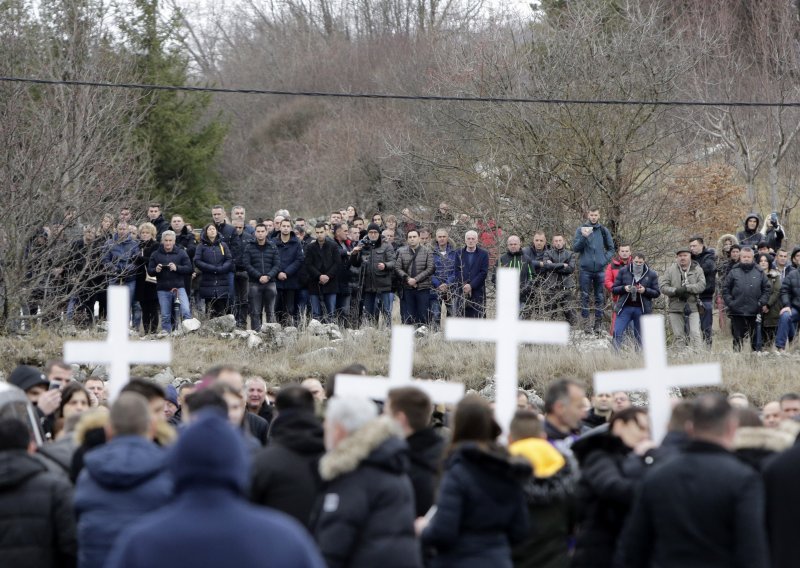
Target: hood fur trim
[[357, 446], [89, 421], [761, 438]]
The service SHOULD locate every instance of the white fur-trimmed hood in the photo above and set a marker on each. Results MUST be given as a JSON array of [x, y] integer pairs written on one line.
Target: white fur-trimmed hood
[[357, 446]]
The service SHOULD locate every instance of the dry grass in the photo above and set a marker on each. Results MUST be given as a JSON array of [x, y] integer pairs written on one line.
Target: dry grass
[[760, 377]]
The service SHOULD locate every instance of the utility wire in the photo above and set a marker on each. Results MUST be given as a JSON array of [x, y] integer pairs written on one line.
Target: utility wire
[[389, 96]]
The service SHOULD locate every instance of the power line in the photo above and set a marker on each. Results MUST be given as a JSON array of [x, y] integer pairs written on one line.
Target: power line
[[390, 96]]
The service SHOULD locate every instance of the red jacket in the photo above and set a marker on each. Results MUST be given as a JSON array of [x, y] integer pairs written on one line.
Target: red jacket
[[612, 269]]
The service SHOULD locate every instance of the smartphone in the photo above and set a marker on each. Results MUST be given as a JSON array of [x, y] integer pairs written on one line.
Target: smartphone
[[54, 386]]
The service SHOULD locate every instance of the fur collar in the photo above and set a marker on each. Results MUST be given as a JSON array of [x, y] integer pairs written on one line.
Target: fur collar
[[357, 446], [759, 437]]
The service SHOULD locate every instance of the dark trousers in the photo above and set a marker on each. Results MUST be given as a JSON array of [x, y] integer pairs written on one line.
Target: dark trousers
[[262, 297], [414, 306], [286, 306], [216, 307], [240, 300], [592, 286], [563, 303], [742, 326]]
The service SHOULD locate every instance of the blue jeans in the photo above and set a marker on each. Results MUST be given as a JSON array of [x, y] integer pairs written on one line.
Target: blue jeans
[[628, 316], [787, 324], [165, 299], [371, 307], [589, 280], [316, 307], [414, 306]]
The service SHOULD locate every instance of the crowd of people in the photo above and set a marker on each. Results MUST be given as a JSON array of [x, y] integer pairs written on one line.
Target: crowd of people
[[224, 470], [350, 270]]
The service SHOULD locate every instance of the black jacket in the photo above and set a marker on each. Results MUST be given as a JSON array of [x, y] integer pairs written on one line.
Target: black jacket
[[321, 260], [291, 260], [707, 260], [366, 513], [37, 525], [161, 225], [625, 278], [746, 290], [257, 426], [261, 260], [238, 244], [481, 509], [522, 263], [562, 276], [783, 500], [167, 279], [610, 474], [702, 509], [425, 451], [285, 473], [215, 262], [790, 290], [376, 280], [185, 240]]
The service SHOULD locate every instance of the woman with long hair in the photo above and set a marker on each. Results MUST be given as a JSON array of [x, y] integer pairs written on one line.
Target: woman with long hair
[[213, 258], [481, 511]]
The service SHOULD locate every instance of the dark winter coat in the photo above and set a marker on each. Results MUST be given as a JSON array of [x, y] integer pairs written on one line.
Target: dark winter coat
[[374, 253], [597, 250], [774, 237], [749, 238], [215, 262], [167, 279], [756, 445], [701, 509], [476, 274], [746, 290], [145, 291], [237, 245], [121, 481], [563, 276], [185, 240], [650, 282], [285, 473], [121, 258], [425, 452], [790, 290], [261, 260], [481, 510], [782, 493], [37, 527], [321, 260], [347, 274], [208, 522], [291, 259], [610, 474], [366, 516], [161, 225], [770, 319], [423, 262], [707, 260], [225, 230], [445, 265], [521, 262]]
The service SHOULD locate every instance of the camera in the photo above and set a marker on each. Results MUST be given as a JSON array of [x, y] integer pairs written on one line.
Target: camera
[[774, 219], [364, 242]]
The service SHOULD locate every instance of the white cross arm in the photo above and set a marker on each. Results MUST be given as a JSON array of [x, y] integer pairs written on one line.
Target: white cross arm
[[377, 388], [541, 332], [97, 352], [680, 376]]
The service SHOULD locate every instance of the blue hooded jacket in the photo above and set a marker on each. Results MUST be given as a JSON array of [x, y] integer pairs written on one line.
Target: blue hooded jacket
[[121, 481], [209, 523]]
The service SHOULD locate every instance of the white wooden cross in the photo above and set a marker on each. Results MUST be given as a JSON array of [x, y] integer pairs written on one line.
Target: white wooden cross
[[117, 351], [657, 377], [401, 364], [507, 332]]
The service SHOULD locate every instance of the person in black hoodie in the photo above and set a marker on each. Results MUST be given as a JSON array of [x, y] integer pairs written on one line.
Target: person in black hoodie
[[412, 409], [481, 511], [611, 466], [365, 516], [707, 259], [749, 236], [37, 526], [284, 475]]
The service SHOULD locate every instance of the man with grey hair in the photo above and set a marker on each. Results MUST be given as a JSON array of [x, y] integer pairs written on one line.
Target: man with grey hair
[[367, 512], [121, 481], [238, 213], [473, 264], [171, 265]]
